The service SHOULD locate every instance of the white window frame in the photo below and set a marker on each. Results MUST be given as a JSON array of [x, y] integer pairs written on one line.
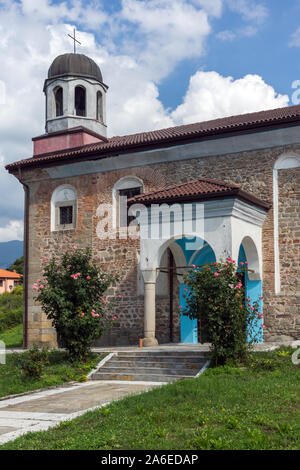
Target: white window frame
[[127, 182], [55, 206]]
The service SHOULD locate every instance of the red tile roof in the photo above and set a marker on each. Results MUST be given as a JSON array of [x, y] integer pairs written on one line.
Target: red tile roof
[[170, 136], [199, 189], [9, 274]]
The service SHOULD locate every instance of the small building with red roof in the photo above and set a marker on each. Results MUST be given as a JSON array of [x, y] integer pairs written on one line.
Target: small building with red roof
[[9, 280]]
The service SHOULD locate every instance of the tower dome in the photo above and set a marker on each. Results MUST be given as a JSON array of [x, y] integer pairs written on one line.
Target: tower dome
[[74, 64], [75, 95]]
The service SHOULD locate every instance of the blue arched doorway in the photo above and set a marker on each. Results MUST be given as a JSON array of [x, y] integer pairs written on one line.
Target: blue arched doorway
[[253, 292], [200, 256]]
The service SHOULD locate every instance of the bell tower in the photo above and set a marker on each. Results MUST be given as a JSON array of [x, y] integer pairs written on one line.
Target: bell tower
[[75, 104], [75, 94]]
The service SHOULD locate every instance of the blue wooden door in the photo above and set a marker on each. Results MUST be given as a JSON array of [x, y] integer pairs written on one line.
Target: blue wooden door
[[188, 327]]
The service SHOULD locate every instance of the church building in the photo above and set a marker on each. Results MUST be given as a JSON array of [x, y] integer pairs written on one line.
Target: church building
[[195, 194]]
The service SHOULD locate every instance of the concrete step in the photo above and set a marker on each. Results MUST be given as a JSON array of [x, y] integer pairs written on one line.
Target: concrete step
[[139, 377], [153, 366], [158, 359], [162, 363], [162, 353], [147, 370], [158, 365]]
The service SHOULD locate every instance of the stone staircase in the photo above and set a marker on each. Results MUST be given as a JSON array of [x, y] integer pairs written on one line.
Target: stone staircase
[[152, 366]]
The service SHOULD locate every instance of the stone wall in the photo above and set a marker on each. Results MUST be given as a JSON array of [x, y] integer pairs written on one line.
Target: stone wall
[[251, 170]]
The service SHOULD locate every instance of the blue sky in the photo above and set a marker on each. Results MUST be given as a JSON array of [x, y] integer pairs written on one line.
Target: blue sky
[[167, 62]]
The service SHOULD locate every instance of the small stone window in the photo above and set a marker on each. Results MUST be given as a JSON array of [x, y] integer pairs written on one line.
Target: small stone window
[[65, 215], [1, 283], [63, 208], [80, 101], [128, 193], [124, 189]]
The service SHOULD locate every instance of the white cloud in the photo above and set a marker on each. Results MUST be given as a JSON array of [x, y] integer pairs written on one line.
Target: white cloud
[[250, 10], [295, 39], [211, 96], [12, 231], [226, 35], [213, 8], [165, 32]]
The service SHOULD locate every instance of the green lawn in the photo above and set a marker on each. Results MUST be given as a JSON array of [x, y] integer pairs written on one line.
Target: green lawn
[[59, 370], [253, 407], [13, 337]]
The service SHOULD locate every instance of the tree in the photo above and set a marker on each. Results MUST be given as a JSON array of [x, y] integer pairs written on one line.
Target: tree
[[18, 266], [72, 294], [215, 296]]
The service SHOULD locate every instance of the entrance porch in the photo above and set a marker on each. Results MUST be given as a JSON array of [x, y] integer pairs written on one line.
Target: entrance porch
[[199, 222]]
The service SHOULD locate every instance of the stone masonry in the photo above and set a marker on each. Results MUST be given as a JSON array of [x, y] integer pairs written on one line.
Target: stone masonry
[[252, 170]]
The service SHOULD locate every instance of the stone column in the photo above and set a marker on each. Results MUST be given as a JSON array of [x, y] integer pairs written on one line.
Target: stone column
[[149, 307]]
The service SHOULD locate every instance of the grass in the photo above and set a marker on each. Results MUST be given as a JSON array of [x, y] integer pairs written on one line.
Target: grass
[[13, 337], [251, 407], [59, 371]]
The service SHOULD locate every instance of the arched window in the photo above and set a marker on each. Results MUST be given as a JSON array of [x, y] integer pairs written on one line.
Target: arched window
[[124, 189], [58, 95], [99, 115], [63, 208], [80, 101]]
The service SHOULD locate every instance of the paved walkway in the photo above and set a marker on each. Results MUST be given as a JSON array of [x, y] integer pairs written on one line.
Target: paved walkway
[[42, 410]]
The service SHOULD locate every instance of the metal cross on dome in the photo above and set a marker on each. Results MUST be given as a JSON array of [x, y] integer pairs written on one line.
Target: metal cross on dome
[[75, 40]]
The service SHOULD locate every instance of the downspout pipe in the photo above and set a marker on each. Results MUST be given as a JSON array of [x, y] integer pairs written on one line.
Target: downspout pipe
[[26, 251]]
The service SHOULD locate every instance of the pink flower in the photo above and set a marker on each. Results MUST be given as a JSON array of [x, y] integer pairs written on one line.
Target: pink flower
[[216, 274], [41, 286], [246, 262], [193, 266], [97, 315], [46, 282], [44, 259], [185, 290], [82, 314], [261, 297], [264, 326], [115, 317], [104, 301], [58, 272], [88, 277], [242, 264], [120, 296], [238, 295], [252, 308], [179, 307]]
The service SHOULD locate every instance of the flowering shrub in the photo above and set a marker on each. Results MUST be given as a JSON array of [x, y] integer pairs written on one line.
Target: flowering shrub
[[72, 294], [216, 297]]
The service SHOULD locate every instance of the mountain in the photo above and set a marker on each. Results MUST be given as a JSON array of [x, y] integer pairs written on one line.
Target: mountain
[[9, 252]]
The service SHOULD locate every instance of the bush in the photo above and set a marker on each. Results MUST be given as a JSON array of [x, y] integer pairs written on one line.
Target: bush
[[10, 319], [72, 295], [216, 297], [33, 361]]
